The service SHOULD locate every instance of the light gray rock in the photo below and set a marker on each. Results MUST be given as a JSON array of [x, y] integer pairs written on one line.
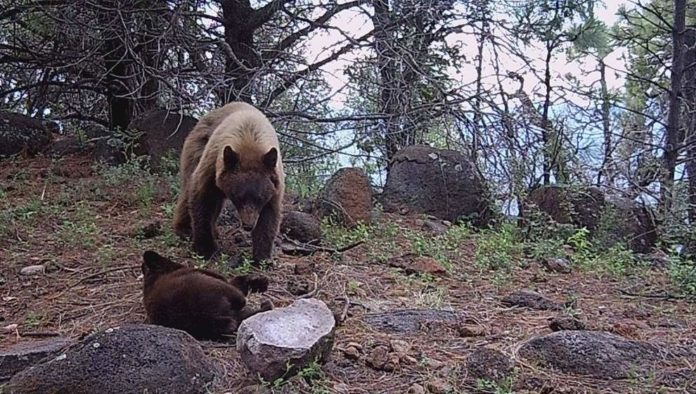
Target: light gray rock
[[296, 335], [33, 270]]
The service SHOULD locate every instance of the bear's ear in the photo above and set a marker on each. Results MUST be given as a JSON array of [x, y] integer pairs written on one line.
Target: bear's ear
[[270, 159], [151, 260], [230, 158]]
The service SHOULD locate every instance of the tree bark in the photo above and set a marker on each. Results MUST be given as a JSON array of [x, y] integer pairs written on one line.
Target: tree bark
[[673, 135]]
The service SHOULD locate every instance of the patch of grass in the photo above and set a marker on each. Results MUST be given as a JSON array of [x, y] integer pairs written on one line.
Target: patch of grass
[[504, 386], [33, 320], [126, 173], [169, 237], [498, 249], [146, 193], [338, 236], [683, 276], [431, 297], [105, 255], [547, 248], [80, 234], [616, 261]]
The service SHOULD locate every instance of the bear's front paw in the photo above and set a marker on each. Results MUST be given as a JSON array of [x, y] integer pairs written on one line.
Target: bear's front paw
[[207, 250], [257, 283], [266, 305]]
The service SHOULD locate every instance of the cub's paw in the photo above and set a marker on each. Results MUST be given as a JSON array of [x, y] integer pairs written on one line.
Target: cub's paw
[[257, 283], [266, 305]]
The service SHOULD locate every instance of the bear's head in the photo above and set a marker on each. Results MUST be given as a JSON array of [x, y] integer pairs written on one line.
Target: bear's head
[[250, 183], [154, 266]]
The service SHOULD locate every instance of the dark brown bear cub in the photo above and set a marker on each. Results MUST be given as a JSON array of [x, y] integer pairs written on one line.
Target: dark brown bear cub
[[233, 153], [200, 302]]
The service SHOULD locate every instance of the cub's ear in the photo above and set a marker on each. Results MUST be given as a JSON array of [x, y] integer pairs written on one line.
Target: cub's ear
[[151, 261], [230, 158], [270, 159]]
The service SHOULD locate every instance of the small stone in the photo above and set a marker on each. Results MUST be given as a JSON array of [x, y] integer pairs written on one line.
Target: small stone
[[351, 353], [151, 230], [530, 299], [489, 364], [559, 265], [431, 363], [399, 346], [33, 270], [296, 287], [305, 268], [561, 323], [253, 389], [436, 228], [295, 335], [416, 389], [380, 359], [301, 226], [438, 386], [355, 345], [418, 265], [470, 332]]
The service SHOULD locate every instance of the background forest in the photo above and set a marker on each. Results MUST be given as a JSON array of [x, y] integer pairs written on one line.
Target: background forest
[[536, 92], [571, 122]]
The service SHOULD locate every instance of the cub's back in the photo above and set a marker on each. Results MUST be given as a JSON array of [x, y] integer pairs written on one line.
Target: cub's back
[[190, 296]]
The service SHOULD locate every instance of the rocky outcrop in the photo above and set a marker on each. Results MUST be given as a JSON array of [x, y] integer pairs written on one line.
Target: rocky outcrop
[[347, 198], [439, 182], [130, 359], [22, 134]]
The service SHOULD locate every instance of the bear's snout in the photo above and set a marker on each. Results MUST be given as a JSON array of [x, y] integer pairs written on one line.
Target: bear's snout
[[248, 215]]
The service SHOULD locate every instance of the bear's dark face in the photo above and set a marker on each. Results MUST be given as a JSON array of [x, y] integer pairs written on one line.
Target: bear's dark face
[[155, 266], [250, 187]]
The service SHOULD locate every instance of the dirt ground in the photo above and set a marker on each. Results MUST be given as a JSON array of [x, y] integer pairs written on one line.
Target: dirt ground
[[89, 227]]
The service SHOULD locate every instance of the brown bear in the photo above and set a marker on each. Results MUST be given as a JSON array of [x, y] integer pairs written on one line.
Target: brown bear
[[233, 153], [200, 302]]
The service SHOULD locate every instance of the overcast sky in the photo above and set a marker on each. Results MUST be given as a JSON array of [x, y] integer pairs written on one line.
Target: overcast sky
[[355, 23]]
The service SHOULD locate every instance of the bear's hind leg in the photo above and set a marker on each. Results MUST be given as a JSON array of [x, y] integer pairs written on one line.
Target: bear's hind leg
[[204, 205]]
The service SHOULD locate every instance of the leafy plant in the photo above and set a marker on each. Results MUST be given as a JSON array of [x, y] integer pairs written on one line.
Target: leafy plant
[[683, 275], [498, 249]]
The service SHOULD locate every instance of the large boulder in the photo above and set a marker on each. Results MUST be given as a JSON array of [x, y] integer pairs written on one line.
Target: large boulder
[[22, 134], [301, 226], [347, 197], [131, 359], [439, 182], [593, 353], [610, 219], [162, 131], [282, 341]]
